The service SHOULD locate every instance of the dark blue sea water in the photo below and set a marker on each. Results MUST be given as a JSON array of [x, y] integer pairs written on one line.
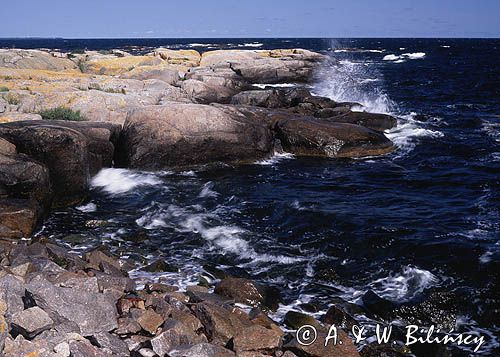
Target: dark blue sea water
[[425, 218]]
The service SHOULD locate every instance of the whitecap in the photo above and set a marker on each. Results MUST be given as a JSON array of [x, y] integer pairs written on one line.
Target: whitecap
[[416, 55], [119, 181], [254, 44], [445, 46], [207, 191], [404, 286], [201, 44], [391, 57], [89, 207], [275, 159], [405, 134]]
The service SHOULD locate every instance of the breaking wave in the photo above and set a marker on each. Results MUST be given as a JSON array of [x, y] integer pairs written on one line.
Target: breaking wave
[[119, 181]]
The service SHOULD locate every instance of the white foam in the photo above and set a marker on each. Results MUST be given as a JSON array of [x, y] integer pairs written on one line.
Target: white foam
[[253, 44], [119, 181], [279, 85], [201, 45], [391, 57], [404, 286], [416, 55], [275, 159], [407, 132], [89, 207], [229, 239], [445, 46], [348, 81], [486, 257], [207, 191], [400, 58]]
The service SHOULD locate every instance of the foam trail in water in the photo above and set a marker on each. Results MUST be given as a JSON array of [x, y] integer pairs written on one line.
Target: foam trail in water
[[119, 181]]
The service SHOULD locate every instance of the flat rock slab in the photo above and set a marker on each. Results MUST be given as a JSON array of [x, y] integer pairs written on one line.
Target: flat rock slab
[[31, 322], [93, 313], [313, 137]]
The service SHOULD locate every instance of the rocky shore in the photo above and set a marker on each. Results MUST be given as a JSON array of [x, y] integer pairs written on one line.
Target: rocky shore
[[54, 303], [166, 109], [65, 116]]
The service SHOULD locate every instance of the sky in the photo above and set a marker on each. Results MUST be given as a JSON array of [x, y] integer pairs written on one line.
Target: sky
[[249, 18]]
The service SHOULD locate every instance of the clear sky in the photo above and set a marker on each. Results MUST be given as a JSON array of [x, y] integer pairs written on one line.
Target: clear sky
[[249, 18]]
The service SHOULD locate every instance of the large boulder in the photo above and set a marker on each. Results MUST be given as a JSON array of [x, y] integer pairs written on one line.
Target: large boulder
[[379, 122], [247, 292], [71, 151], [313, 137], [34, 59], [18, 217], [177, 134], [275, 66]]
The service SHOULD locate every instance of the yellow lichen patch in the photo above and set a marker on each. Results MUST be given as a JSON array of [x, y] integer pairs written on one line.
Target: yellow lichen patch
[[9, 74], [32, 354], [119, 65]]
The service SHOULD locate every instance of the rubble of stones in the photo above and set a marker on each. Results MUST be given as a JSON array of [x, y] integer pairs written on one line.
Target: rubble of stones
[[55, 303]]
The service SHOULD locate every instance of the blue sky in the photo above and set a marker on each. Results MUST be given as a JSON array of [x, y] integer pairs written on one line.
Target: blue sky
[[249, 18]]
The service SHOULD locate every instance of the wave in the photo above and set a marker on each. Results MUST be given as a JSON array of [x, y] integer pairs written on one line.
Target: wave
[[89, 207], [119, 181], [404, 135], [404, 286], [402, 57], [207, 191], [254, 44], [350, 81], [275, 159]]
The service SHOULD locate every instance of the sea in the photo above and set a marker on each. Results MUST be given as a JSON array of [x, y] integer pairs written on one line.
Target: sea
[[422, 220]]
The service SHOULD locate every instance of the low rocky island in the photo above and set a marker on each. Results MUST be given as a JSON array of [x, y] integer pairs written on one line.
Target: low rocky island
[[65, 116]]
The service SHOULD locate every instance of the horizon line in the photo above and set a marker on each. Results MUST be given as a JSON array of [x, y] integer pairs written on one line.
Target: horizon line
[[220, 38]]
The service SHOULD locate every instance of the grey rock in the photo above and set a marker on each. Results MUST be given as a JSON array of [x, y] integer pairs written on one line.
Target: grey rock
[[93, 313], [31, 322], [11, 293], [110, 343], [86, 349], [201, 350]]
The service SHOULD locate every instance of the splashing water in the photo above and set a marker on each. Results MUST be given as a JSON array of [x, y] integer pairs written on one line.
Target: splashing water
[[344, 79]]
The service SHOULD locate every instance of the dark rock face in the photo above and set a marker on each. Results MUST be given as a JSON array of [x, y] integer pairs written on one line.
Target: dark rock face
[[18, 217], [22, 177], [313, 137], [46, 163], [248, 292], [338, 317], [70, 151], [187, 134], [379, 122], [377, 305], [63, 151]]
